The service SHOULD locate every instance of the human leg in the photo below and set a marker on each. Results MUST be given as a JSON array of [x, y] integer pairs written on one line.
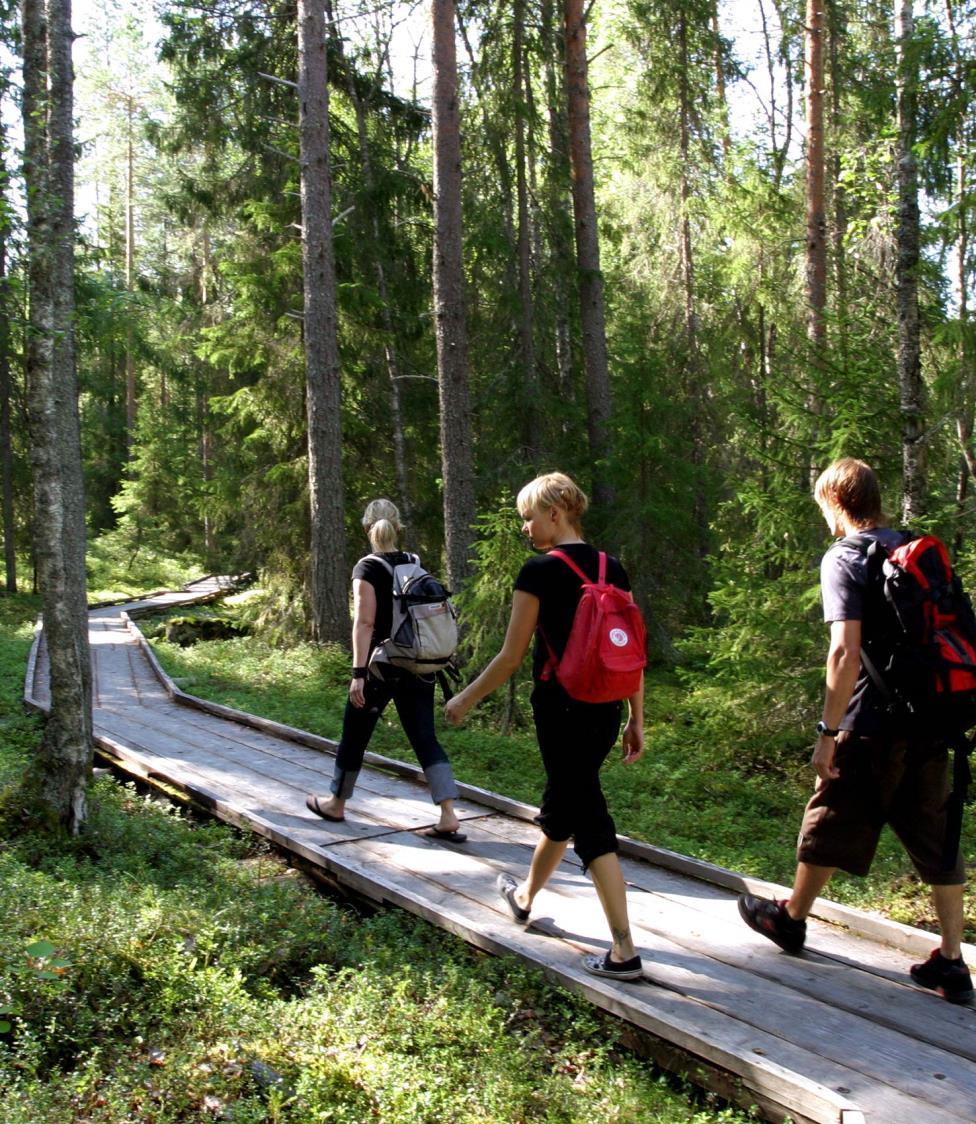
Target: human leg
[[414, 701], [358, 724], [611, 889], [945, 971]]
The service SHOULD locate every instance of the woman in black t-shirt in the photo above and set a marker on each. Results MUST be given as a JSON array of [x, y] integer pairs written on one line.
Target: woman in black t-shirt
[[575, 737], [413, 696]]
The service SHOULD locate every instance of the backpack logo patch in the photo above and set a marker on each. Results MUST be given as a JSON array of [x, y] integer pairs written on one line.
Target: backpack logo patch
[[619, 638]]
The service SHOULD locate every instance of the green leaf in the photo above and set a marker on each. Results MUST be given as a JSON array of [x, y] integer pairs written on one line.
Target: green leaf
[[41, 949]]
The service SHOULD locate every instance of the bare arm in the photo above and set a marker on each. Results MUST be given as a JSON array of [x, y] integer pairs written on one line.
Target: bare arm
[[843, 667], [363, 619], [521, 626], [633, 739]]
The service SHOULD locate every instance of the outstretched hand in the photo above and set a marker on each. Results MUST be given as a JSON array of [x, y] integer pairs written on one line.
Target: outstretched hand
[[456, 708]]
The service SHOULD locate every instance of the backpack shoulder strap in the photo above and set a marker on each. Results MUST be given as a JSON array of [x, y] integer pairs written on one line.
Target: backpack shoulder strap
[[383, 562], [576, 570]]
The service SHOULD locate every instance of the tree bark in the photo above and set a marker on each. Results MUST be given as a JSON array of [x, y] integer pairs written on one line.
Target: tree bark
[[130, 287], [526, 323], [390, 351], [452, 350], [906, 270], [329, 593], [816, 253], [63, 763], [6, 437], [557, 181], [592, 314]]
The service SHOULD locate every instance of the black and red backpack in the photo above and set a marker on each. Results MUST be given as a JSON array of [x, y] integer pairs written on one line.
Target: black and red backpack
[[921, 649]]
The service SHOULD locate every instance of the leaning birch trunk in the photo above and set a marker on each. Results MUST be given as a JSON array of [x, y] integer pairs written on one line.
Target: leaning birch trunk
[[63, 763], [330, 610], [592, 315], [906, 279], [452, 351]]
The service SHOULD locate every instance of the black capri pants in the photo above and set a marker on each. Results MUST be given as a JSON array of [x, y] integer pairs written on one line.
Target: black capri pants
[[575, 739]]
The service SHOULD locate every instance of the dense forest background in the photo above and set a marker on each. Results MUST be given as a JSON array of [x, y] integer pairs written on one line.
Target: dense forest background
[[750, 337]]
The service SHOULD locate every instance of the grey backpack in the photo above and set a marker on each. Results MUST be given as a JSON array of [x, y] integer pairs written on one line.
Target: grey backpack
[[424, 634]]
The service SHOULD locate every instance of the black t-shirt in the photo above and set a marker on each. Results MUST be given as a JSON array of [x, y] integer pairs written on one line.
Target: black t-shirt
[[558, 589], [369, 569], [846, 595]]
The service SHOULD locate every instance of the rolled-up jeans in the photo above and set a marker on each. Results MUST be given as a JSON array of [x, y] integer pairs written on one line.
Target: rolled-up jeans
[[414, 701]]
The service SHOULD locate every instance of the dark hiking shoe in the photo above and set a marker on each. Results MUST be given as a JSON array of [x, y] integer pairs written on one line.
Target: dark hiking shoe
[[950, 978], [771, 919]]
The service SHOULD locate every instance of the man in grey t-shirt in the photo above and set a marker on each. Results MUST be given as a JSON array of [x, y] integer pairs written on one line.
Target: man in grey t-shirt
[[870, 770]]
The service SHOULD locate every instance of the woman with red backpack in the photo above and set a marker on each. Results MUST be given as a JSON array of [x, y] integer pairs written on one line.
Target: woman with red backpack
[[553, 592]]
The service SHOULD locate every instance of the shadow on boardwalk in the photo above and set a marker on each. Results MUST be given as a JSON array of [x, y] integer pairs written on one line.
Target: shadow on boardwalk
[[837, 1034]]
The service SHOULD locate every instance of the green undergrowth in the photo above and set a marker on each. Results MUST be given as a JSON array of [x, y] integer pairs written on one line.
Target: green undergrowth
[[165, 968], [118, 567], [715, 787]]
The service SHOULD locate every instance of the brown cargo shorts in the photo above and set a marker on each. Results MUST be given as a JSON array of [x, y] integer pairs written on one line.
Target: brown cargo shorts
[[882, 780]]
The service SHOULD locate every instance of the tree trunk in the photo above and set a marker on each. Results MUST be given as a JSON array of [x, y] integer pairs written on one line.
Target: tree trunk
[[526, 323], [816, 247], [906, 270], [836, 28], [452, 350], [390, 352], [694, 371], [966, 401], [63, 763], [588, 251], [6, 439], [558, 178], [130, 286], [329, 593]]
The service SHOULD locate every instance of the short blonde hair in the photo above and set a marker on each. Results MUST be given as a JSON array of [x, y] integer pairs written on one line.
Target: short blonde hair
[[851, 486], [381, 522], [553, 489]]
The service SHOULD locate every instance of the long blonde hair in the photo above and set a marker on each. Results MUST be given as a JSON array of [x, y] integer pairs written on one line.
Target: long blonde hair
[[381, 522], [553, 489]]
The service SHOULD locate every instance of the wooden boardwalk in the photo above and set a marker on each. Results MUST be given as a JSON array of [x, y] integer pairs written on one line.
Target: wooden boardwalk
[[837, 1034]]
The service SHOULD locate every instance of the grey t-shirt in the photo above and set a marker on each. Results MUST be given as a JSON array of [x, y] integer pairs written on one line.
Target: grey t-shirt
[[846, 597]]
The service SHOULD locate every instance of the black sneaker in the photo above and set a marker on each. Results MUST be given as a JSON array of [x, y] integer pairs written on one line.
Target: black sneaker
[[950, 978], [771, 919]]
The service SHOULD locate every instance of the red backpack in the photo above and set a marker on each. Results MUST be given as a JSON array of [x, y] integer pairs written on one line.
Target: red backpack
[[605, 655]]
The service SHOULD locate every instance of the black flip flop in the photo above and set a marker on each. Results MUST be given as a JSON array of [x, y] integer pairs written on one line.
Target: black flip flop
[[613, 969], [447, 836], [506, 888], [312, 803]]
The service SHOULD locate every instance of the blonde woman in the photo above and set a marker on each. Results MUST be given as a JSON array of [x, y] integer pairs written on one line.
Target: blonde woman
[[413, 696], [574, 737]]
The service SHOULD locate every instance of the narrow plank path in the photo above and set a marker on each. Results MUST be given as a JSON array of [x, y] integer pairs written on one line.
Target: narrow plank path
[[837, 1034]]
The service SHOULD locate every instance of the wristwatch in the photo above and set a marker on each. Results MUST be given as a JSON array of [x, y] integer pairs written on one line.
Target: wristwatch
[[825, 731]]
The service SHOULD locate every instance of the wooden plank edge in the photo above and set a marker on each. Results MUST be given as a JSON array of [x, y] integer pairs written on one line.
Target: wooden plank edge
[[821, 1104], [30, 699]]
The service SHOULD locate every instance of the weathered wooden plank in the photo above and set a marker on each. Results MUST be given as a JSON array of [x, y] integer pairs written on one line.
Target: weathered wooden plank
[[803, 1019], [706, 921], [449, 894], [383, 800]]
